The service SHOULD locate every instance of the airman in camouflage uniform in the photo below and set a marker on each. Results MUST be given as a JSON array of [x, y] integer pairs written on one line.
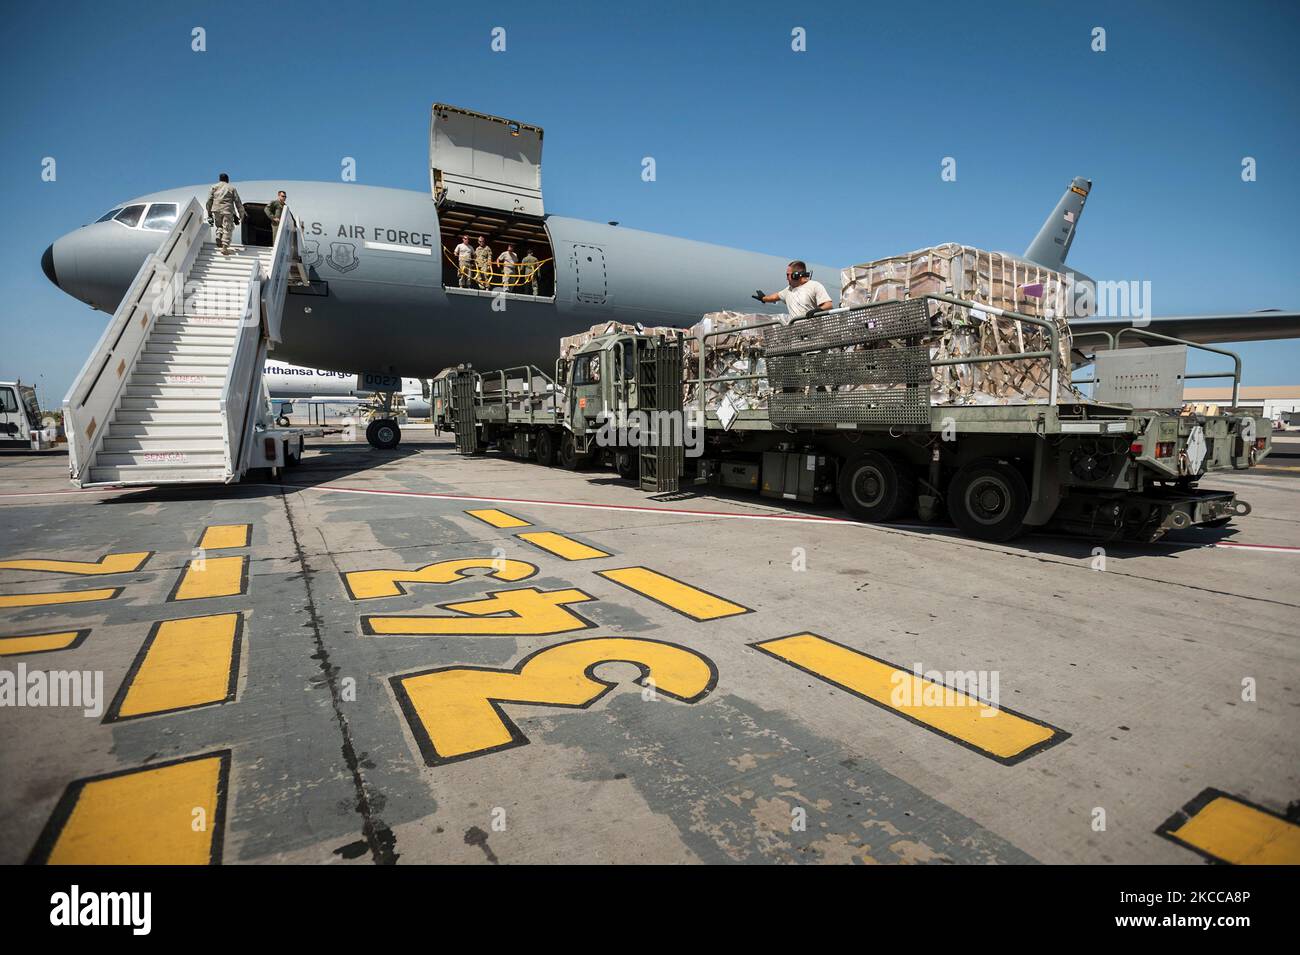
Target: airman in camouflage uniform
[[483, 263], [225, 209]]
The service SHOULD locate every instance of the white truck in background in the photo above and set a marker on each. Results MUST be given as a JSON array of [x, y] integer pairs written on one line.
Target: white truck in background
[[20, 418]]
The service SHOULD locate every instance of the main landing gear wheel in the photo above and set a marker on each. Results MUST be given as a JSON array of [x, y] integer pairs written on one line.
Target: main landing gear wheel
[[876, 487], [988, 500], [545, 448], [383, 433]]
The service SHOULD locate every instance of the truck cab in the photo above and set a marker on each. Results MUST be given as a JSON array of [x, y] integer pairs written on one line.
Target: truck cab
[[20, 417]]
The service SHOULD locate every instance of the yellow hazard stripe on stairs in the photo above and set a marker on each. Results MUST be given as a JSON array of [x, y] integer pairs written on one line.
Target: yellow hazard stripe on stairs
[[995, 732]]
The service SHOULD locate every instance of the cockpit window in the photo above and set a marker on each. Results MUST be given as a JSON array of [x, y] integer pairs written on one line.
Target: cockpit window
[[162, 216], [109, 214], [130, 216]]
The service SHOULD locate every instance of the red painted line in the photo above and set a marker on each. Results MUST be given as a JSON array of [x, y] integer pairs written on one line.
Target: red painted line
[[1273, 547]]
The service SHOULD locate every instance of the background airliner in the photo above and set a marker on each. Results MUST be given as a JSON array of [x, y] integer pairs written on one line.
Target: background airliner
[[292, 385], [384, 296]]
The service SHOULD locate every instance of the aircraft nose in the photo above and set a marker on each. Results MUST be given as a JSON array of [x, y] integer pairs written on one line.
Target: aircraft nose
[[47, 265]]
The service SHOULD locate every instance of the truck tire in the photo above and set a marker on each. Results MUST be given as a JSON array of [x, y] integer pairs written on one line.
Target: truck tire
[[876, 487], [546, 447], [627, 464], [569, 456], [988, 500]]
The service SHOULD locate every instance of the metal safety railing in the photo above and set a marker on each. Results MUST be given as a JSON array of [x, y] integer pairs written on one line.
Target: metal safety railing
[[242, 379], [1114, 337], [1052, 356], [527, 394], [99, 386]]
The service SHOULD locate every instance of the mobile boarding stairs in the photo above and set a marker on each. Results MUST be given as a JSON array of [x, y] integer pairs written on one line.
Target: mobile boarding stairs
[[173, 392]]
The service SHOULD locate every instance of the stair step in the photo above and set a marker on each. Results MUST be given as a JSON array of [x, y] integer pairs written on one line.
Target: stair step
[[203, 335], [210, 431], [206, 457], [176, 350], [144, 380], [181, 364], [161, 403], [176, 416], [164, 444], [173, 391], [192, 322], [155, 474]]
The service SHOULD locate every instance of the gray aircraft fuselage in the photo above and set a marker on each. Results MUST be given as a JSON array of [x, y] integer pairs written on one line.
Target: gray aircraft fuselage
[[385, 310], [379, 304]]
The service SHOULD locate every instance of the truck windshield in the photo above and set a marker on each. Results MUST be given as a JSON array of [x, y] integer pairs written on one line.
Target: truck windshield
[[31, 406], [586, 369]]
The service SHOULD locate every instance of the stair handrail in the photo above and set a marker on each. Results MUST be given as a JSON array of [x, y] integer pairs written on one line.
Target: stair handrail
[[97, 389], [236, 390], [277, 277]]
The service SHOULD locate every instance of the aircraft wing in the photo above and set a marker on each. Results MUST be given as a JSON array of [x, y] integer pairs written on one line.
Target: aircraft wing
[[1203, 329]]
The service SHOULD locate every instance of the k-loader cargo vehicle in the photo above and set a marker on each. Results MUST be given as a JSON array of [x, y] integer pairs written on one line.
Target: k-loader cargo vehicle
[[840, 404]]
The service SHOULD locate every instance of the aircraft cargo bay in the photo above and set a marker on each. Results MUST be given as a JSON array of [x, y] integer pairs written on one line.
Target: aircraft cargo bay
[[418, 656]]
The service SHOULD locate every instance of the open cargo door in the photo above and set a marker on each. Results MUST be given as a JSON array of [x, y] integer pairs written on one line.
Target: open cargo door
[[485, 161]]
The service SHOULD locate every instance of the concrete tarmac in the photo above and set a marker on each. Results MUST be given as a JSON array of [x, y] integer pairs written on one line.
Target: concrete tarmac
[[416, 657]]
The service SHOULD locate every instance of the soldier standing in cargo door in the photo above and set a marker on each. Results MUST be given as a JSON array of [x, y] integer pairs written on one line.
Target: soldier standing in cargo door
[[802, 295], [508, 260], [483, 263], [225, 209], [529, 263], [464, 254]]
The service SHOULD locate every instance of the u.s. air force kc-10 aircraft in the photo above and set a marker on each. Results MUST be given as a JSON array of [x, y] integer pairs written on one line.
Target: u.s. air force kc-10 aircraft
[[385, 297]]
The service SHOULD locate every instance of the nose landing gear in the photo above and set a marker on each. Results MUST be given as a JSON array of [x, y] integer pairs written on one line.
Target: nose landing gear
[[383, 432]]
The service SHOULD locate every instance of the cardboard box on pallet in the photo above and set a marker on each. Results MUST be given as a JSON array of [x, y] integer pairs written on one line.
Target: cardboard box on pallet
[[983, 277]]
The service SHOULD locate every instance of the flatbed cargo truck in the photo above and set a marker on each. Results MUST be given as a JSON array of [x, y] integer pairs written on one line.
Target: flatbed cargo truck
[[850, 416]]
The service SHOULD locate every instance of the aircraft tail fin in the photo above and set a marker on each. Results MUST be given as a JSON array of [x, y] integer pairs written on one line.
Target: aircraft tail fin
[[1052, 244]]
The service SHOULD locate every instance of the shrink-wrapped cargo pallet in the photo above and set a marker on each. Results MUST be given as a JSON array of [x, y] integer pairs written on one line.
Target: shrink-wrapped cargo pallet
[[985, 277]]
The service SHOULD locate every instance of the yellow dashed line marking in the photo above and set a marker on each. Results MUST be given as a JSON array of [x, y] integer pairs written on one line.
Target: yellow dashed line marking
[[455, 713], [168, 814], [183, 664], [110, 564], [1227, 829], [674, 594], [41, 642], [562, 546], [998, 733], [212, 577], [532, 612], [498, 518], [222, 536], [369, 584], [49, 600]]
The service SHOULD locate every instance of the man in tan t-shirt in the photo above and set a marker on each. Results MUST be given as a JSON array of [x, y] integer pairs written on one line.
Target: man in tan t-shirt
[[802, 295]]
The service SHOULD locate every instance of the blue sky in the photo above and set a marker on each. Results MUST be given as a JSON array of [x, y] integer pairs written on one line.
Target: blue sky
[[832, 155]]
